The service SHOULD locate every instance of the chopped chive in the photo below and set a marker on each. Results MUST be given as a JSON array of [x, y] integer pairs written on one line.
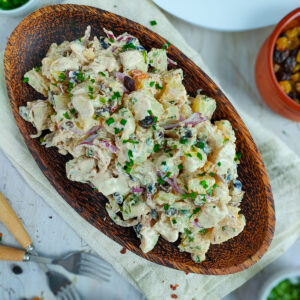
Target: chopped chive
[[152, 83], [158, 87], [101, 73], [73, 110], [150, 112], [123, 122], [26, 79], [166, 206], [62, 77], [156, 148], [37, 69], [180, 167], [153, 23], [199, 155], [67, 116], [219, 163], [110, 121], [102, 100]]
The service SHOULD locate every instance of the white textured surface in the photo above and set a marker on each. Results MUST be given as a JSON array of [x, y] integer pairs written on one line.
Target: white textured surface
[[229, 15], [228, 56]]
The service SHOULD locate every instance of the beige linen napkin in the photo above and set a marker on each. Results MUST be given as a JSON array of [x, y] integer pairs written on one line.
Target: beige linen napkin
[[153, 280]]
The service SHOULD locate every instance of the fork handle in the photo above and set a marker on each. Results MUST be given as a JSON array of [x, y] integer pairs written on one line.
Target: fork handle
[[12, 254], [13, 223]]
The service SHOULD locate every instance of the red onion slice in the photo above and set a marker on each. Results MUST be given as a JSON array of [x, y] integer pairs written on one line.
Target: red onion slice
[[89, 140], [172, 63], [137, 190], [109, 146], [196, 224], [193, 120], [175, 186]]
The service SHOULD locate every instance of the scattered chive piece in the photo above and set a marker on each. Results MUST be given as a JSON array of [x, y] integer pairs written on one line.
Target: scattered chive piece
[[62, 77], [145, 56], [80, 76], [152, 83], [160, 180], [153, 127], [123, 122], [180, 167], [130, 153], [26, 79], [156, 148], [117, 130], [188, 154], [202, 174], [37, 69], [42, 139], [223, 228], [174, 221], [219, 164], [150, 112], [211, 174], [186, 187], [128, 46], [166, 45], [101, 73], [183, 141], [130, 141], [92, 80], [214, 186], [110, 121], [192, 195], [233, 229], [168, 174], [66, 115], [203, 231], [79, 39], [158, 87], [102, 100], [199, 155], [204, 184], [166, 206], [153, 23], [95, 189], [73, 110], [71, 95], [237, 156], [111, 40]]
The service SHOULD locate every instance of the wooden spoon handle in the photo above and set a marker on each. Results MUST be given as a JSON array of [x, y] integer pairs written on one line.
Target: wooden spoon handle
[[10, 253], [13, 223]]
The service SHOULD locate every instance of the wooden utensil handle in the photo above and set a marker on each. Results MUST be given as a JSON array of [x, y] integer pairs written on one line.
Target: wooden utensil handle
[[10, 253], [13, 223]]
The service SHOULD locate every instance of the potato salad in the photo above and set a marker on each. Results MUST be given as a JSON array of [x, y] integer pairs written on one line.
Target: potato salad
[[137, 137]]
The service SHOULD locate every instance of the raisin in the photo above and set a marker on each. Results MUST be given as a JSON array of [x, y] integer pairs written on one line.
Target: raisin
[[289, 64], [137, 228], [129, 83], [147, 121], [165, 187], [281, 56], [283, 76]]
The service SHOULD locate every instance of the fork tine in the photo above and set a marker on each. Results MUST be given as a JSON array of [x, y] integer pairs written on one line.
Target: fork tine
[[95, 265], [94, 268], [74, 293], [99, 276], [96, 260]]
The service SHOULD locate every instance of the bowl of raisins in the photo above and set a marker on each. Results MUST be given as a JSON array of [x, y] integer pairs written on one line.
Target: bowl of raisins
[[277, 68]]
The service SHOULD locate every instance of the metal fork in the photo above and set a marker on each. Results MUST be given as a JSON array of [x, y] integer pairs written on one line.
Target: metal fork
[[61, 286], [80, 263]]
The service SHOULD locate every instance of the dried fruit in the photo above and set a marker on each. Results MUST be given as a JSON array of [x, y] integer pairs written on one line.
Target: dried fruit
[[282, 43], [129, 83], [285, 86], [281, 56]]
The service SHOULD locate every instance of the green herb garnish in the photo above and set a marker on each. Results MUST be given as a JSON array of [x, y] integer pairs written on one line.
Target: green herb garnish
[[110, 121]]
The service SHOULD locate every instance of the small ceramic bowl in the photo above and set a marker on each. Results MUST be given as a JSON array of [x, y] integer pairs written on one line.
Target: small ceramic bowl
[[266, 81], [26, 8], [276, 279]]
